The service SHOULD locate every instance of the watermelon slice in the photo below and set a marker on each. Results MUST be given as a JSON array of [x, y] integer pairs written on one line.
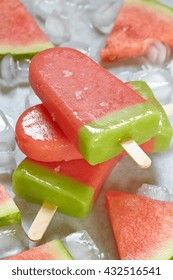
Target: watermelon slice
[[20, 35], [139, 25], [52, 250], [9, 212], [142, 227]]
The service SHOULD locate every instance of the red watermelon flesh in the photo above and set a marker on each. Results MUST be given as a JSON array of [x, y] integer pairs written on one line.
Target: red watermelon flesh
[[52, 250], [19, 32], [142, 227], [138, 25]]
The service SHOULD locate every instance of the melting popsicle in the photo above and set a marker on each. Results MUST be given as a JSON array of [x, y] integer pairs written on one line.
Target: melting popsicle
[[9, 212], [52, 250], [96, 111]]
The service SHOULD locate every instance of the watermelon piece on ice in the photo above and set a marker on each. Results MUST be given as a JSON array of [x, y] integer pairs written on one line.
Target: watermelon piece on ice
[[52, 250], [139, 25], [9, 212], [20, 34], [142, 227]]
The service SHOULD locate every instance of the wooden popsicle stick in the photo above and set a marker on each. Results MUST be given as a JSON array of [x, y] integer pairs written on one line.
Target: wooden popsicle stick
[[41, 221], [168, 109], [136, 153]]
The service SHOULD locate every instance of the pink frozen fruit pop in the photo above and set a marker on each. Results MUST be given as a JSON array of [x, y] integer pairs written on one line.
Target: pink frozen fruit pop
[[52, 250], [142, 226], [96, 111], [41, 139], [73, 186], [9, 212]]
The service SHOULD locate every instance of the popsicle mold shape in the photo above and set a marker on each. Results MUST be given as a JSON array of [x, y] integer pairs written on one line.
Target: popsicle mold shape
[[9, 212], [72, 186], [13, 240], [82, 247], [95, 110], [52, 250], [146, 233], [41, 139]]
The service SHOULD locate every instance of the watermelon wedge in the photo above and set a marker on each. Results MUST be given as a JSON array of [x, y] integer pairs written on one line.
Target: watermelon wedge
[[52, 250], [20, 35], [139, 24], [142, 227], [9, 212]]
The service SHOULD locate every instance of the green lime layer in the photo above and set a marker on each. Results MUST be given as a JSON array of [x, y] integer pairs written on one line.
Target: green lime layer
[[36, 183], [165, 131], [9, 213], [101, 140]]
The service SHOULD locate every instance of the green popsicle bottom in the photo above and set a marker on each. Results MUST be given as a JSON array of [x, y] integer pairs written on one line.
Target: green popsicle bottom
[[101, 140], [37, 184], [165, 131]]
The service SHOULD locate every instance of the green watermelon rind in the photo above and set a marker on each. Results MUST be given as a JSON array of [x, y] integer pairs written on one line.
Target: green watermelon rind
[[25, 52], [60, 250], [164, 253], [164, 9], [9, 213]]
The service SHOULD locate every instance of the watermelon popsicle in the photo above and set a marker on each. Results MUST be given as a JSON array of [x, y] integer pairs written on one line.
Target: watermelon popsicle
[[95, 110], [52, 250], [71, 186], [40, 138]]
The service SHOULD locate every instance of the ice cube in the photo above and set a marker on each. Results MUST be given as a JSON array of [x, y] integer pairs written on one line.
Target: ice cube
[[8, 68], [80, 46], [104, 16], [57, 28], [159, 80], [7, 134], [31, 99], [82, 247], [157, 53], [43, 8], [13, 240], [155, 192], [22, 71], [7, 160]]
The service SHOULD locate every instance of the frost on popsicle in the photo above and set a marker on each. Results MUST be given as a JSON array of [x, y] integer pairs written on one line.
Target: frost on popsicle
[[138, 31]]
